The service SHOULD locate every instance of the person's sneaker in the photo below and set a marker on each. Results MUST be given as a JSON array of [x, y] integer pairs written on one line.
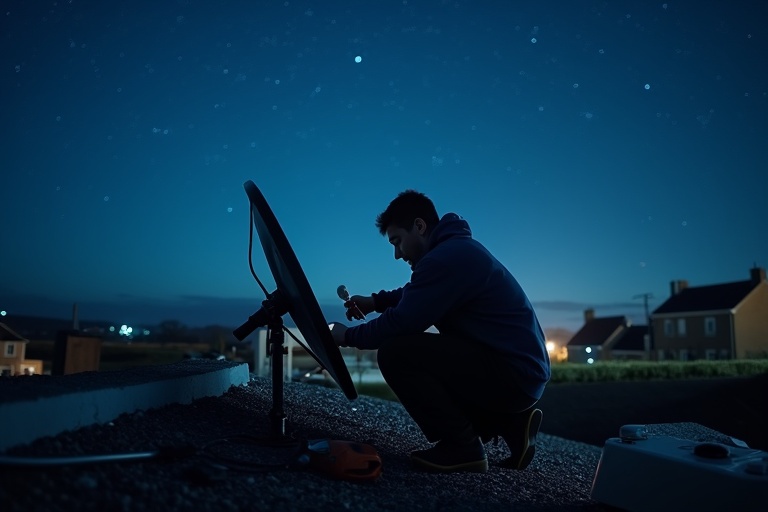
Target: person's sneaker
[[448, 457], [522, 443]]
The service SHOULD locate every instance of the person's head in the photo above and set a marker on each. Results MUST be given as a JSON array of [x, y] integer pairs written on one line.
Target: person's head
[[407, 223]]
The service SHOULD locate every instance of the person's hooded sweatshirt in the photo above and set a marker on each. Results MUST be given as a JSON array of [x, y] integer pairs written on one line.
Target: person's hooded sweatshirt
[[460, 288]]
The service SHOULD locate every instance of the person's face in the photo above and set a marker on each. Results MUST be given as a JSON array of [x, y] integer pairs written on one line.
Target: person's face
[[410, 244]]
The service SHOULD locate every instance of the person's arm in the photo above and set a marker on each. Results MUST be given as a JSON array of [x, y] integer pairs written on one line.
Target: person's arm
[[386, 299], [378, 302], [339, 331], [431, 293]]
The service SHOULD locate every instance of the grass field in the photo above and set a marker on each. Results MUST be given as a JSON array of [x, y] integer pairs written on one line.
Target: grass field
[[117, 356], [613, 371]]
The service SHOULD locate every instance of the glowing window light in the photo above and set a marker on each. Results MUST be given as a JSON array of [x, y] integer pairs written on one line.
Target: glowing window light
[[550, 346]]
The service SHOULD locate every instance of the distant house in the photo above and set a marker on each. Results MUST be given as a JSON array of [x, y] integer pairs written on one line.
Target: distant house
[[633, 345], [720, 321], [608, 338], [12, 355]]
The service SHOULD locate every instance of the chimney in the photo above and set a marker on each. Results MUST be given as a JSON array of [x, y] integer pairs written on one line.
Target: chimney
[[589, 314], [676, 287], [757, 274]]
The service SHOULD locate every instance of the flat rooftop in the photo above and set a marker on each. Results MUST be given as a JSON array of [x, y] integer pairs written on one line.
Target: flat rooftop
[[216, 408]]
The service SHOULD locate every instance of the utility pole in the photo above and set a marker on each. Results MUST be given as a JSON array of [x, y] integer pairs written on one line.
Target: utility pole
[[645, 297]]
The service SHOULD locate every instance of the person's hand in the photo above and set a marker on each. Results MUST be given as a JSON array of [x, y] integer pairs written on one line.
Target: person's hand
[[358, 306], [338, 331]]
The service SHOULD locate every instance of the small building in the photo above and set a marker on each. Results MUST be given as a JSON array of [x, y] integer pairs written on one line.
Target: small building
[[13, 355], [719, 321], [633, 345], [591, 343], [608, 338]]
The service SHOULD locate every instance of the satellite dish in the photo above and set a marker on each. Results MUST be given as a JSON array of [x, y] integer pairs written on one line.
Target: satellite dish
[[293, 296]]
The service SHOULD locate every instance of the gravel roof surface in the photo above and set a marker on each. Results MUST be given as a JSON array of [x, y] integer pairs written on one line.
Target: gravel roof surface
[[559, 478]]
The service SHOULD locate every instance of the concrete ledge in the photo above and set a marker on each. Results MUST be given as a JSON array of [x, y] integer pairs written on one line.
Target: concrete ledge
[[38, 406]]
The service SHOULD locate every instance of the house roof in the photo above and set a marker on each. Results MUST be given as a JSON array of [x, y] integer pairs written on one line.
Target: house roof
[[8, 334], [597, 331], [632, 339], [714, 297]]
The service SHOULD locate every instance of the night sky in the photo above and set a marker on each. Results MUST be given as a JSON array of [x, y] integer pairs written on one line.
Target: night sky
[[599, 149]]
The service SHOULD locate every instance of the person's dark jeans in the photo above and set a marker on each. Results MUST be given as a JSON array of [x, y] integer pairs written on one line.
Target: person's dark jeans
[[454, 389]]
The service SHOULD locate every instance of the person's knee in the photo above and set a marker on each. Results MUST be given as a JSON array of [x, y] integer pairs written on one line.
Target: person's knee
[[385, 356], [391, 352]]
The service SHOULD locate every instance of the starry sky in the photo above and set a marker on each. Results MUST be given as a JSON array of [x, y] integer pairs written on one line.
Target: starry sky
[[599, 149]]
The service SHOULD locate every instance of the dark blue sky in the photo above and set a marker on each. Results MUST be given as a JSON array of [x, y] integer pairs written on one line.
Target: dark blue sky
[[599, 149]]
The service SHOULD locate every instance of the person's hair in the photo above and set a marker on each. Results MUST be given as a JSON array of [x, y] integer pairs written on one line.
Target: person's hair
[[405, 209]]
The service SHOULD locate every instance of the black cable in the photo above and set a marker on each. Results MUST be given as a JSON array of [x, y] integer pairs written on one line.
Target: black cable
[[236, 464], [162, 453], [9, 460]]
